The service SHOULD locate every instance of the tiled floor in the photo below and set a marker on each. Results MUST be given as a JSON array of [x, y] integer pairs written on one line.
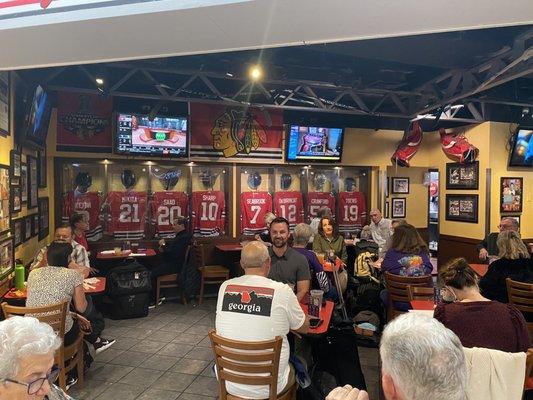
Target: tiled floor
[[167, 356]]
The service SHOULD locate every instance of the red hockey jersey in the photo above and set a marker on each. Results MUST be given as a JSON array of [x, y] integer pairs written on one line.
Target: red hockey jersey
[[290, 206], [165, 206], [318, 200], [88, 204], [352, 212], [254, 206], [126, 214], [208, 213]]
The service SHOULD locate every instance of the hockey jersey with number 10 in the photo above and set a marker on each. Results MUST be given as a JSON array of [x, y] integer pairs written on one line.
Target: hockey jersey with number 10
[[352, 211], [254, 206], [289, 205], [208, 213], [126, 214], [87, 204], [165, 207]]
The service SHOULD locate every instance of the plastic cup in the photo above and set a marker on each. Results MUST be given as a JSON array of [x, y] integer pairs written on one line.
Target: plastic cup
[[320, 257], [118, 250], [315, 303]]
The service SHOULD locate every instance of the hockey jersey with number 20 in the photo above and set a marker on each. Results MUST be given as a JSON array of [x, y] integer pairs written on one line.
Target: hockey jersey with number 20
[[165, 207]]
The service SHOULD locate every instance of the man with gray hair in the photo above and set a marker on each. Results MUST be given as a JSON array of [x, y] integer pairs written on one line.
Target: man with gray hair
[[421, 359], [488, 246], [381, 230], [255, 308]]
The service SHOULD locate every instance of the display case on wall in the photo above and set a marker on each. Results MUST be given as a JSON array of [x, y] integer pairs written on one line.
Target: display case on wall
[[256, 186]]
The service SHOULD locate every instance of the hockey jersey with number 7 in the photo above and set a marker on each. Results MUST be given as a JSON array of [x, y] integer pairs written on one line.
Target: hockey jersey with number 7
[[254, 206]]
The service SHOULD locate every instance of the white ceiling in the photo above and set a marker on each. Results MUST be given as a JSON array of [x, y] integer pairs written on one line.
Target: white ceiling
[[163, 28]]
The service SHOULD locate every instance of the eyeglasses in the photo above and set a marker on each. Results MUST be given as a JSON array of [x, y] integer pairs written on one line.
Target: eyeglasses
[[36, 385]]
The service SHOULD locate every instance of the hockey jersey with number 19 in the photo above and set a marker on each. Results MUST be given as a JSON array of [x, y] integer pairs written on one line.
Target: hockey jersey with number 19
[[352, 212], [289, 205], [208, 213], [88, 204], [165, 207], [254, 206], [127, 214]]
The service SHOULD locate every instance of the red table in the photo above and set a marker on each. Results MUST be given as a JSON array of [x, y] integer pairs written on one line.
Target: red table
[[325, 316], [480, 269], [229, 247], [125, 254], [96, 288], [425, 305]]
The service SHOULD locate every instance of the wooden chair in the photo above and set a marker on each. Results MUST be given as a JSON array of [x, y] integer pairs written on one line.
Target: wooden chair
[[249, 363], [520, 295], [67, 358], [397, 286], [420, 293], [170, 281], [211, 274], [528, 384]]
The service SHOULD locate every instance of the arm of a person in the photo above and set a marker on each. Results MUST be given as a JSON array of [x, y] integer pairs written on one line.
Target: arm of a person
[[39, 260], [389, 263], [317, 244], [80, 302], [520, 325], [482, 245], [81, 269], [298, 321], [303, 278], [428, 267], [302, 288], [344, 252]]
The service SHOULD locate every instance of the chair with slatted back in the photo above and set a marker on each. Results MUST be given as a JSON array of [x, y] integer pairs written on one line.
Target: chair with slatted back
[[528, 384], [67, 358], [170, 281], [210, 274], [397, 288], [520, 295], [249, 363], [420, 293]]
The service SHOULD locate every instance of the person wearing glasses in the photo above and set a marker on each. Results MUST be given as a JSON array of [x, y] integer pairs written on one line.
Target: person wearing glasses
[[27, 370], [488, 246]]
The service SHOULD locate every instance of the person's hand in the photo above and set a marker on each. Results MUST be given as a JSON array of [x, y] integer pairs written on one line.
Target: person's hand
[[161, 242], [84, 323], [347, 393], [73, 265], [93, 271], [483, 254]]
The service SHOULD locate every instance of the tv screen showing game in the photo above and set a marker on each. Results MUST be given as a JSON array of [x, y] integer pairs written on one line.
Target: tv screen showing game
[[162, 136], [522, 149], [38, 116], [314, 144]]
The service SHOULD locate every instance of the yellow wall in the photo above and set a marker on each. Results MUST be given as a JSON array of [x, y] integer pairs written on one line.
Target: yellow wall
[[416, 199]]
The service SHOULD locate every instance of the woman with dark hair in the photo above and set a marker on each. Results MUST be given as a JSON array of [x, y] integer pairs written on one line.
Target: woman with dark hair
[[408, 254], [328, 239], [476, 320], [79, 225]]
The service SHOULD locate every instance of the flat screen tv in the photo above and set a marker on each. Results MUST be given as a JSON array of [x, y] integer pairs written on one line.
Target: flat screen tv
[[162, 136], [522, 149], [314, 144], [37, 117]]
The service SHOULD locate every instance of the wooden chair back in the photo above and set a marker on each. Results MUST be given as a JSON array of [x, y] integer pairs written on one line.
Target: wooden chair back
[[397, 287], [520, 295], [420, 293], [528, 384], [170, 281], [248, 363], [198, 254]]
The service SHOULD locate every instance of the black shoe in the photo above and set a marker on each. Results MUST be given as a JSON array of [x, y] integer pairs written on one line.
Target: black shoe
[[103, 344]]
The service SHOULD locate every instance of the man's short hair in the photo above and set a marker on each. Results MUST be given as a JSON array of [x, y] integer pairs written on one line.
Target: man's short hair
[[279, 220], [254, 255], [513, 222], [424, 359], [64, 225], [179, 220], [77, 217], [302, 234]]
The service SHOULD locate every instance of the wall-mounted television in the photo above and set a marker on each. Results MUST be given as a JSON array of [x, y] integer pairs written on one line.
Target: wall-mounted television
[[37, 117], [161, 136], [522, 149], [314, 144]]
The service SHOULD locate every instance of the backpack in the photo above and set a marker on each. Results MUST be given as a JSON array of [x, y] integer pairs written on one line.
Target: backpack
[[364, 271], [128, 288]]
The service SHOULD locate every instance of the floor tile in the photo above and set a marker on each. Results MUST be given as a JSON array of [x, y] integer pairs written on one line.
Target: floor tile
[[173, 381], [198, 330], [138, 333], [163, 336], [201, 353], [175, 350], [130, 358], [91, 389], [159, 362], [176, 327], [188, 338], [205, 342], [124, 343], [189, 366], [204, 386], [109, 372], [109, 354], [209, 371], [190, 396], [121, 391], [158, 394], [148, 346], [138, 375]]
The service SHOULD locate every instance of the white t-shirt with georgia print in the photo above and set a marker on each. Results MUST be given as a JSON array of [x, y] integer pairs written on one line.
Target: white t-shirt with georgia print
[[255, 308]]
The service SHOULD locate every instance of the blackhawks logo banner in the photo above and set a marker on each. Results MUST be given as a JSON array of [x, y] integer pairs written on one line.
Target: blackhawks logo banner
[[236, 133], [84, 123]]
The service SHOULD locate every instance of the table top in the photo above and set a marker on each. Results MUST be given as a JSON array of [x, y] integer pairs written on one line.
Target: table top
[[91, 286], [229, 247], [329, 267], [325, 316], [423, 305], [480, 269], [105, 255]]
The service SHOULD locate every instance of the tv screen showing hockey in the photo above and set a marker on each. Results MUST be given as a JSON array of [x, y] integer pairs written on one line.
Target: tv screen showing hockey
[[163, 136], [522, 151], [306, 143]]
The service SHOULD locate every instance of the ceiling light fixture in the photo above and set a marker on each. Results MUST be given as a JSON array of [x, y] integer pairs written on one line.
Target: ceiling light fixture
[[99, 81], [256, 72]]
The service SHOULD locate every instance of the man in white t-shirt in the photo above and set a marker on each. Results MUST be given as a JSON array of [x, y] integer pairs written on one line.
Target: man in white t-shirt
[[381, 229], [255, 308]]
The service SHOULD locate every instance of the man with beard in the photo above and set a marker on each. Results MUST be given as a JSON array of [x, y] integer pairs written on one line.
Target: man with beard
[[288, 266]]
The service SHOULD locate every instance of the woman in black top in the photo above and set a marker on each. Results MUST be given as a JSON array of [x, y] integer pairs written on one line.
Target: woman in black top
[[514, 262]]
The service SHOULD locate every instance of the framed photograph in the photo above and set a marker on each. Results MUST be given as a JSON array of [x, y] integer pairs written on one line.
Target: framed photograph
[[462, 207], [511, 195], [398, 207], [42, 168], [34, 224], [4, 104], [15, 159], [43, 217], [32, 182], [16, 202], [18, 234], [5, 199], [462, 176], [23, 183], [7, 257], [400, 186], [387, 213], [28, 229]]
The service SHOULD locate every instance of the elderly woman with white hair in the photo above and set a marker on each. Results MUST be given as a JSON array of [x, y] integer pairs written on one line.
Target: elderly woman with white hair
[[27, 370]]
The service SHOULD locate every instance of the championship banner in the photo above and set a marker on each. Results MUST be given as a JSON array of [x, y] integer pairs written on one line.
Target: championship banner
[[233, 134], [84, 123]]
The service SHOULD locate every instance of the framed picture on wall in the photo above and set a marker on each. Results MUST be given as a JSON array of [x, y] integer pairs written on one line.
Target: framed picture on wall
[[462, 176], [5, 199], [16, 202], [398, 207], [511, 195], [42, 168], [27, 228], [15, 159], [32, 182], [400, 185], [18, 234], [387, 214], [43, 217], [34, 224], [23, 183], [462, 207], [4, 103], [7, 257]]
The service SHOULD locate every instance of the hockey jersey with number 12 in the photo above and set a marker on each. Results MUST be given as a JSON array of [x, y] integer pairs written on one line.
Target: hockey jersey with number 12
[[208, 213], [165, 207], [126, 214], [87, 204], [254, 206], [289, 205]]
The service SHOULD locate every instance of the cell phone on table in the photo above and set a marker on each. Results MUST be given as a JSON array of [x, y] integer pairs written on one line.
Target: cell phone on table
[[315, 322]]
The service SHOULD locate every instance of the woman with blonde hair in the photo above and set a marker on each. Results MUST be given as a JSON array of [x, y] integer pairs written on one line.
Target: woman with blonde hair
[[514, 262]]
